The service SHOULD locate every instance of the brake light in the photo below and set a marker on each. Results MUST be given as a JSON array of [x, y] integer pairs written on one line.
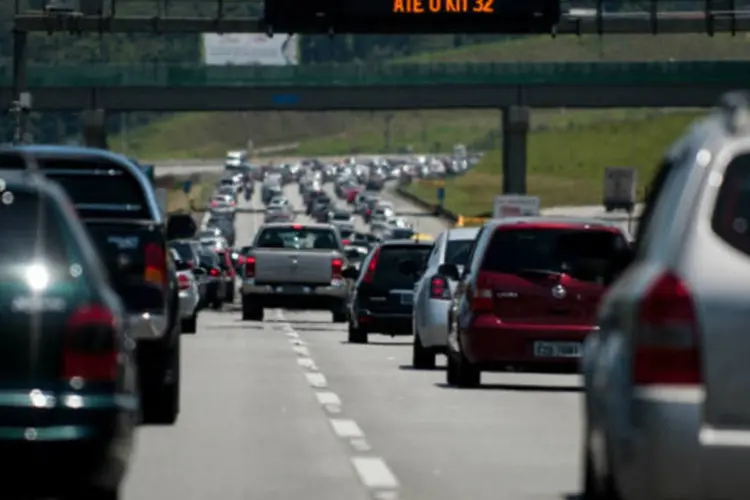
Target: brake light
[[297, 227], [337, 266], [156, 265], [370, 274], [439, 288], [214, 203], [250, 267], [90, 345], [214, 272], [346, 242], [667, 350], [481, 295], [183, 282], [368, 211]]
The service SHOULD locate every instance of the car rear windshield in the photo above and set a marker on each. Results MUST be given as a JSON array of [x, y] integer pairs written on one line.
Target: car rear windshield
[[298, 238], [342, 216], [402, 233], [387, 270], [584, 254], [209, 259], [731, 217], [457, 251], [184, 249], [99, 187], [32, 233]]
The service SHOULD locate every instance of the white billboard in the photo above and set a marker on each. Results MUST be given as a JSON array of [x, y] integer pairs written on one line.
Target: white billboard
[[249, 48]]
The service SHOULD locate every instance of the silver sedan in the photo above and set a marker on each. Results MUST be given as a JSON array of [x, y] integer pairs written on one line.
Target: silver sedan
[[432, 294]]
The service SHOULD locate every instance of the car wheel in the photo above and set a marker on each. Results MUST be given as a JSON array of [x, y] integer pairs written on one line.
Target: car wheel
[[230, 294], [467, 375], [451, 371], [190, 325], [594, 486], [422, 358], [163, 401], [356, 335], [217, 303], [250, 311]]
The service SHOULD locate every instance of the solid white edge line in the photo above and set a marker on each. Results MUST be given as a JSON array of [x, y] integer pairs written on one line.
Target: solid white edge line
[[346, 428], [374, 473]]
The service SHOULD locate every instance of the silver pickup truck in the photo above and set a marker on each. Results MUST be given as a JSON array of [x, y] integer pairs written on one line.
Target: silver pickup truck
[[295, 266]]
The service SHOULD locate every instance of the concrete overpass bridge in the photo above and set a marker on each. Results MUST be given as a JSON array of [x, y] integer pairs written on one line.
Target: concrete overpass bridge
[[386, 87]]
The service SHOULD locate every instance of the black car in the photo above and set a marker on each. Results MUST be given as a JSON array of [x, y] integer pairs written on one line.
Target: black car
[[118, 205], [383, 294], [216, 289], [68, 379]]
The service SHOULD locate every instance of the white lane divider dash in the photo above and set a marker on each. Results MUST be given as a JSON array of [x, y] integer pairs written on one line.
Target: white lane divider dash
[[316, 379], [360, 444], [346, 428], [328, 398], [302, 350], [374, 473], [307, 363]]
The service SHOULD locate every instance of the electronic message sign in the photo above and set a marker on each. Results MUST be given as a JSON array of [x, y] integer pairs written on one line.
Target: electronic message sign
[[411, 16]]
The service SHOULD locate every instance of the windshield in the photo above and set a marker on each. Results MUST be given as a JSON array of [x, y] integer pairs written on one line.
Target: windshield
[[298, 239], [403, 233], [388, 272], [587, 255], [342, 217], [457, 252]]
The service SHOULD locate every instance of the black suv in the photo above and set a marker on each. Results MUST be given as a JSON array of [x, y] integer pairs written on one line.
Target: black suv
[[68, 379], [118, 206], [383, 297]]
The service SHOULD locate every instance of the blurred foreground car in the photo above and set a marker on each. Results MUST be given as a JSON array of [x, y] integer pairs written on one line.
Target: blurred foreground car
[[666, 377], [67, 369], [527, 298]]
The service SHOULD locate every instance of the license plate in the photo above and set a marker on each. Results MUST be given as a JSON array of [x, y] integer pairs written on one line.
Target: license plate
[[407, 299], [293, 289], [557, 349]]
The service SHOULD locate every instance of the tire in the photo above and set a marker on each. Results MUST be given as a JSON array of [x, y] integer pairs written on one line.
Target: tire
[[250, 311], [190, 325], [422, 358], [461, 373], [451, 371], [217, 303], [230, 294], [162, 401], [92, 493], [356, 335], [595, 488], [340, 315]]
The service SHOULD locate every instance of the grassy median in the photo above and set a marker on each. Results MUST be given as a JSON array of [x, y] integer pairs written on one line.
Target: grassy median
[[565, 167]]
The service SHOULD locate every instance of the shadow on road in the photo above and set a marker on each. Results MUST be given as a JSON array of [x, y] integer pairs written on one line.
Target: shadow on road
[[386, 344], [412, 369], [517, 388]]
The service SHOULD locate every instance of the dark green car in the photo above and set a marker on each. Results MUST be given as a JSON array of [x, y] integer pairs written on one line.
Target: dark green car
[[68, 383]]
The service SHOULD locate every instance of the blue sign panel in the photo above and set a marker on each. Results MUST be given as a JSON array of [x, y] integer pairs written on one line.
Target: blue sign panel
[[440, 195], [188, 186]]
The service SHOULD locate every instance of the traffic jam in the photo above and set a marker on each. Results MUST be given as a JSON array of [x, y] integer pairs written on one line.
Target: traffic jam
[[101, 285]]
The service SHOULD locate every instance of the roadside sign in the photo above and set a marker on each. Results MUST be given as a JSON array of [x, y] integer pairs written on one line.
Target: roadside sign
[[620, 185], [187, 186], [514, 205], [440, 194]]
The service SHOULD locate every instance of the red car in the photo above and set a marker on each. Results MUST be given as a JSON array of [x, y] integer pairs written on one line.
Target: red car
[[529, 295], [351, 194]]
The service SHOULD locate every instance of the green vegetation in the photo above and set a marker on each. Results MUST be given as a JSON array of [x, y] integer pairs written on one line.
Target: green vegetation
[[565, 167]]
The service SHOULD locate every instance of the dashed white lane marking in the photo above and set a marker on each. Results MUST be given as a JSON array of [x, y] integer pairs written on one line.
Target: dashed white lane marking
[[316, 379], [307, 363], [346, 428], [374, 473]]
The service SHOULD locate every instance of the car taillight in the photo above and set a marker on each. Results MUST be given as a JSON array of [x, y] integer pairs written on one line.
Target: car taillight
[[667, 350], [346, 242], [439, 288], [183, 282], [481, 295], [214, 203], [214, 272], [368, 211], [90, 345], [370, 274], [241, 260], [337, 266], [156, 265], [250, 267]]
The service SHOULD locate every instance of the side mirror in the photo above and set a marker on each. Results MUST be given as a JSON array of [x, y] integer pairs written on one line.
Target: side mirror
[[350, 273], [408, 267], [450, 271]]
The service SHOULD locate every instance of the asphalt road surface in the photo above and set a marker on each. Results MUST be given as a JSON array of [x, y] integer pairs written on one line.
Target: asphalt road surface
[[287, 410]]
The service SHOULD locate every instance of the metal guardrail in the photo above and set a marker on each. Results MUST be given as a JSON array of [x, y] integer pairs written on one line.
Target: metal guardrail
[[589, 74]]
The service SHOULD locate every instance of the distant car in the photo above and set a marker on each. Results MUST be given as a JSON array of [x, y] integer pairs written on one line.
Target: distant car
[[433, 294], [528, 297], [383, 295], [68, 376], [190, 296], [216, 287]]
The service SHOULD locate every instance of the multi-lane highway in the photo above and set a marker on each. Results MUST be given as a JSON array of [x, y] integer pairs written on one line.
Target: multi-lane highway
[[286, 409]]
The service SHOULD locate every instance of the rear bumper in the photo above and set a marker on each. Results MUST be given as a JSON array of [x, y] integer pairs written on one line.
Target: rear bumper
[[389, 324], [147, 325], [433, 329], [188, 303], [314, 297], [494, 345]]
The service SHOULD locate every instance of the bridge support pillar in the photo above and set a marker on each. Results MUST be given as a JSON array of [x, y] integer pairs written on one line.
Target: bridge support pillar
[[95, 128], [516, 121]]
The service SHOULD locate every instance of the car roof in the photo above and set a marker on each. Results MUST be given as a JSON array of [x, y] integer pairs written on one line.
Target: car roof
[[311, 225], [542, 221], [406, 243], [462, 233]]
